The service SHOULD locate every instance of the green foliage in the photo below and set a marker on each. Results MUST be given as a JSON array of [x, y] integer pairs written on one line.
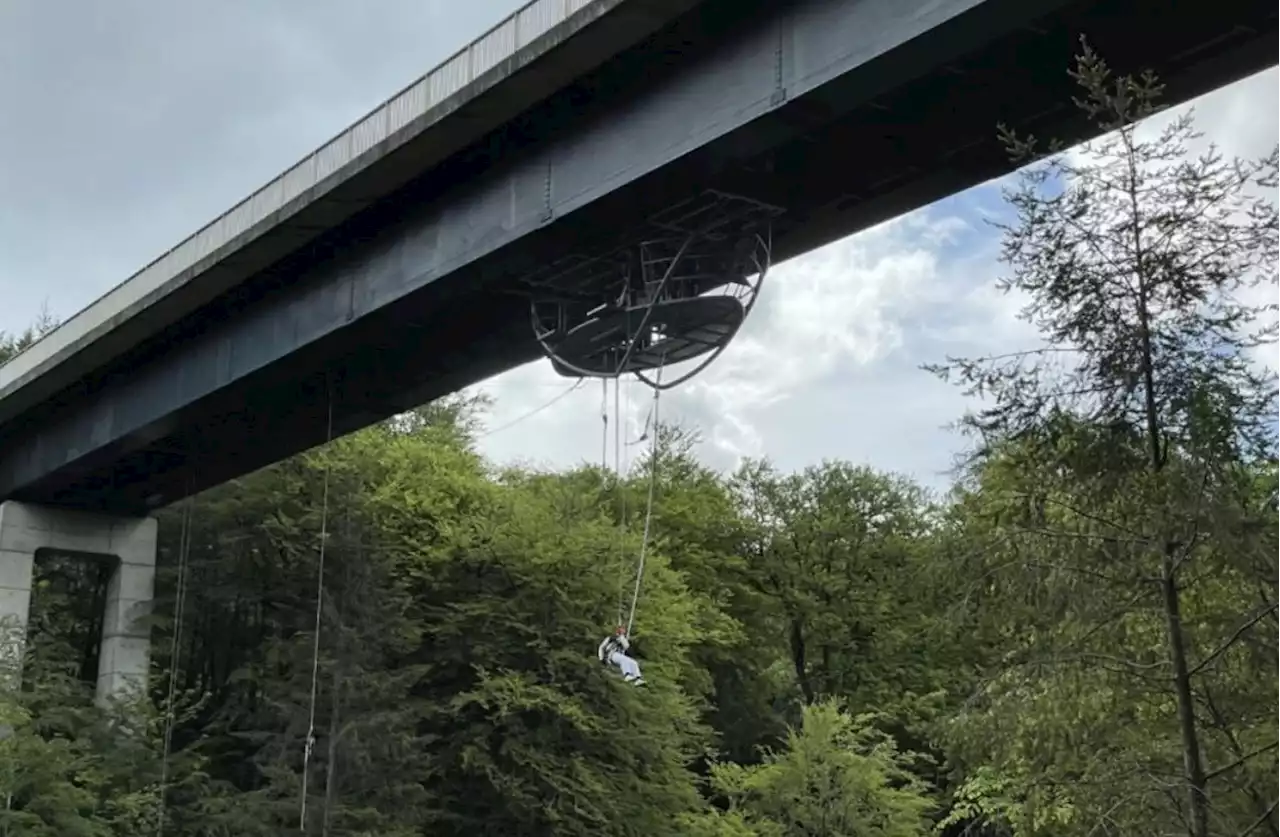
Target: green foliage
[[13, 344], [840, 556], [68, 767], [1112, 491], [836, 776], [1080, 639]]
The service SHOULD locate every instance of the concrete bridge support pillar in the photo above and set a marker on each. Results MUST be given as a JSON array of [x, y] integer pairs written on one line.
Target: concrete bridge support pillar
[[128, 543]]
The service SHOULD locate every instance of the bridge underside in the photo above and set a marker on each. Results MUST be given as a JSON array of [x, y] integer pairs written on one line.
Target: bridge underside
[[347, 326]]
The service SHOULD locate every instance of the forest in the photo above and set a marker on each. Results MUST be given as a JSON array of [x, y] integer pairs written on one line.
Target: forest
[[1077, 639]]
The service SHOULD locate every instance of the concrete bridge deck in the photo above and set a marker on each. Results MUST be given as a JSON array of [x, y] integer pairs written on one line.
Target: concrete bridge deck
[[533, 52], [403, 281]]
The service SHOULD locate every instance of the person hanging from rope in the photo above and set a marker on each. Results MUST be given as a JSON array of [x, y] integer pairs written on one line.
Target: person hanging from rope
[[613, 651]]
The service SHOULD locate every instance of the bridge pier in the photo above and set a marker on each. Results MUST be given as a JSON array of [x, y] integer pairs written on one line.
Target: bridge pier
[[128, 543]]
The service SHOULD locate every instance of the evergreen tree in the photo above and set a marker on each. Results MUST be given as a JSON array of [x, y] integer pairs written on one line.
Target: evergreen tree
[[837, 776], [398, 637], [1115, 472]]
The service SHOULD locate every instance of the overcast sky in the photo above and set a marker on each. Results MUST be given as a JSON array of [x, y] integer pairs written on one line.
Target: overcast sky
[[131, 123]]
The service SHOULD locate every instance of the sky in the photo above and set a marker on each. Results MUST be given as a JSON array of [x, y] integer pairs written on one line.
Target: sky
[[132, 123]]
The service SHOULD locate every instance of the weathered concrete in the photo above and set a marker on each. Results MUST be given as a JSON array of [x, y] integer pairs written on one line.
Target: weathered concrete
[[129, 544]]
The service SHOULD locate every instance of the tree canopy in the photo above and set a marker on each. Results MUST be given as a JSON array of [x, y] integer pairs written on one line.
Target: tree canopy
[[1078, 639]]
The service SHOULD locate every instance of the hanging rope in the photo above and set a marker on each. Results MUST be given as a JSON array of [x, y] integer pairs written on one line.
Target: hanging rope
[[657, 386], [635, 335], [605, 473], [622, 492], [653, 294], [648, 512], [618, 446], [604, 430], [175, 650], [315, 645], [765, 243], [653, 303], [523, 418]]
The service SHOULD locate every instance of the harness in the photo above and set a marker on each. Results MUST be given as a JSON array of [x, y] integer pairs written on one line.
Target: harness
[[612, 646]]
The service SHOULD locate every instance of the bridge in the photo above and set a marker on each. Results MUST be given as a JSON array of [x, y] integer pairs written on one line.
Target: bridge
[[395, 264]]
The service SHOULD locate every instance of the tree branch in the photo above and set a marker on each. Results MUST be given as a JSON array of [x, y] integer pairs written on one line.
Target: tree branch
[[1233, 765], [1138, 536], [1231, 640], [1271, 809]]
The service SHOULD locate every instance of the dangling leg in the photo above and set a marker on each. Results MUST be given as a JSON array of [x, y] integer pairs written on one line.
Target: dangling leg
[[630, 668]]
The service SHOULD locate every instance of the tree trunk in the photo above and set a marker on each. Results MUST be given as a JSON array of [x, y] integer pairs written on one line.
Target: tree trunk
[[1192, 762], [798, 660]]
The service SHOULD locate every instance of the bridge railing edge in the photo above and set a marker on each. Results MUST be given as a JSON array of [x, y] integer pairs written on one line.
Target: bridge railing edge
[[519, 30]]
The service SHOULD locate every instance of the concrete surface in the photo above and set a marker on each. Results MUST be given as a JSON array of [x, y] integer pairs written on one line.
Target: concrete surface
[[843, 112], [529, 55], [129, 544]]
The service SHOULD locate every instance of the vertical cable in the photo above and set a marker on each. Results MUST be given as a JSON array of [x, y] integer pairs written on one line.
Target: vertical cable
[[622, 493], [175, 651], [648, 513], [604, 430], [315, 645]]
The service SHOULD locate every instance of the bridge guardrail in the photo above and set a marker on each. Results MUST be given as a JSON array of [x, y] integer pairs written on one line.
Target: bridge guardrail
[[518, 30]]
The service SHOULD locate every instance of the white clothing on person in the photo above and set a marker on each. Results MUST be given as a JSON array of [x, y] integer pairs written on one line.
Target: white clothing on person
[[613, 651]]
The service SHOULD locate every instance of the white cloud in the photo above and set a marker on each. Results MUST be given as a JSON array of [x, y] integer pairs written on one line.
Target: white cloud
[[827, 367], [1242, 121], [840, 310]]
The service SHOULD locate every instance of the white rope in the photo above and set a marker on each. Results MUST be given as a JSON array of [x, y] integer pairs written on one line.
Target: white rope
[[315, 646], [635, 335], [604, 430], [175, 650], [622, 491], [648, 512], [653, 303], [521, 419]]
